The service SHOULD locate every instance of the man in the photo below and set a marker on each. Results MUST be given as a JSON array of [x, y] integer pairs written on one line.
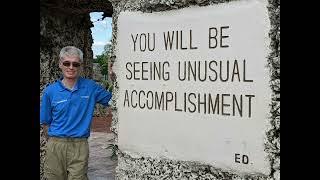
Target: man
[[66, 109]]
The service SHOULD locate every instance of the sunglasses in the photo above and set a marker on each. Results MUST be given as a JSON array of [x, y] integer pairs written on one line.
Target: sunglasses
[[68, 63]]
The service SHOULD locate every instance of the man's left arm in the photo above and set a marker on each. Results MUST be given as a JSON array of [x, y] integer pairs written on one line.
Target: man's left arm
[[102, 95]]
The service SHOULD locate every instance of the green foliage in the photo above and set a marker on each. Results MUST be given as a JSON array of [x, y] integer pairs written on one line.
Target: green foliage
[[114, 149], [107, 49], [108, 85], [103, 60]]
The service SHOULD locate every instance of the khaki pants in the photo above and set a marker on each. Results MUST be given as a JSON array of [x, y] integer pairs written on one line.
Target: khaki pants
[[66, 159]]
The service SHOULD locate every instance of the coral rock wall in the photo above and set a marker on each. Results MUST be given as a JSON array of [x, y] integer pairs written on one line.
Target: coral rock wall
[[56, 31], [139, 168]]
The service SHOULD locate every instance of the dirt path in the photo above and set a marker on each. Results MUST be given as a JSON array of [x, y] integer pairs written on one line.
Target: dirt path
[[101, 167]]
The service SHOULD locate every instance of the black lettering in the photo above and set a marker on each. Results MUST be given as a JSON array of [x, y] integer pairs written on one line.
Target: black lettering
[[244, 72], [215, 72], [235, 67], [249, 96], [194, 105], [167, 40], [204, 103], [151, 70], [184, 71], [222, 36], [185, 101], [135, 71], [134, 42], [167, 77], [144, 105], [148, 100], [154, 42], [224, 105], [177, 40], [234, 101], [201, 70], [216, 104], [157, 102], [181, 41], [129, 78], [126, 99], [191, 47], [224, 80], [175, 102], [157, 70], [236, 158], [193, 70], [245, 159], [144, 70], [134, 106], [213, 37], [145, 42], [168, 99]]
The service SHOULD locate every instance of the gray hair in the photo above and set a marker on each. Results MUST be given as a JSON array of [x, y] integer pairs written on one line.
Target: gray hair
[[71, 51]]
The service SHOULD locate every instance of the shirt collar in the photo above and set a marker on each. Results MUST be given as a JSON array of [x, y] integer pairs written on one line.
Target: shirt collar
[[60, 84], [76, 86]]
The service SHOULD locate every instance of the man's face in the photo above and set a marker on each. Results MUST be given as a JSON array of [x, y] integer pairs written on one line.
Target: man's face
[[70, 66]]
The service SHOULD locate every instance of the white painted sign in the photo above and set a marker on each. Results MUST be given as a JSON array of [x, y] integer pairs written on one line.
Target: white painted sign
[[194, 86]]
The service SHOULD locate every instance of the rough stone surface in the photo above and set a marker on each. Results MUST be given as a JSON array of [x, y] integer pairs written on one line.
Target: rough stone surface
[[43, 141], [277, 175], [78, 6], [147, 168], [272, 145], [130, 167], [56, 31]]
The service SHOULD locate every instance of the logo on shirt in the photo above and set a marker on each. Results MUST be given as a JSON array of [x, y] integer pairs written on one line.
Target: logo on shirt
[[61, 101]]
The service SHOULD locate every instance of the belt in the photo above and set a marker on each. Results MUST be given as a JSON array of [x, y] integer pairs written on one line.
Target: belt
[[67, 139]]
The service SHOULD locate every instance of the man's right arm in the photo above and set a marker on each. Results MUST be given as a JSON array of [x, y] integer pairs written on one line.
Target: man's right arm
[[45, 109]]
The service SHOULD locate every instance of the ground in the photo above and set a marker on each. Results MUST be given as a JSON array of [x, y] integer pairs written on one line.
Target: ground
[[101, 167]]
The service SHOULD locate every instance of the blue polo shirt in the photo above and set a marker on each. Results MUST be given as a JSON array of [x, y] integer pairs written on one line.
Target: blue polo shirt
[[69, 112]]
